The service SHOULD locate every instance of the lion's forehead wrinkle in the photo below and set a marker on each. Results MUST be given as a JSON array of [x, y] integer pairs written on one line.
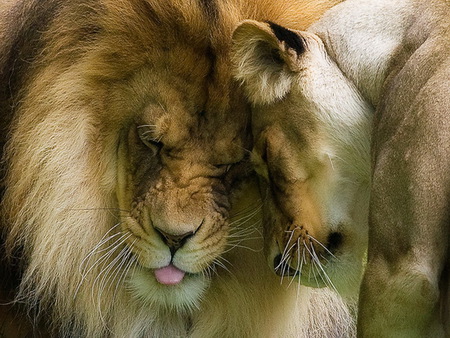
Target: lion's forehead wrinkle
[[180, 127], [203, 146]]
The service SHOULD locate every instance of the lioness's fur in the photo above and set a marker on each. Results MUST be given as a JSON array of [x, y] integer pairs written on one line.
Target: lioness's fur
[[396, 54], [125, 147], [402, 57]]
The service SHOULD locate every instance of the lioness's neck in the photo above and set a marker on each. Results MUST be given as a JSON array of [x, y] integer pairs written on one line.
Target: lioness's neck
[[363, 37]]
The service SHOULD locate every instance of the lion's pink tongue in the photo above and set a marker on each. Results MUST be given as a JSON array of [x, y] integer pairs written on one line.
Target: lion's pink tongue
[[169, 275]]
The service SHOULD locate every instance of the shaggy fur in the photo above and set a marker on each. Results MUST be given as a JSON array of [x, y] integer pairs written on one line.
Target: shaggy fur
[[125, 152]]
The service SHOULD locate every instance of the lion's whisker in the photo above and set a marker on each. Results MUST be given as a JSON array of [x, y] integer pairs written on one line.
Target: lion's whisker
[[103, 278], [254, 205], [242, 247], [96, 251], [210, 271], [107, 252], [111, 274], [104, 257], [221, 264], [238, 241], [114, 212], [246, 217], [244, 232], [102, 240], [131, 261], [105, 275], [147, 126]]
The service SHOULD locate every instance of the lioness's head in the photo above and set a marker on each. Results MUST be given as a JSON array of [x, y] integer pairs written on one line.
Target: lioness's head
[[311, 150]]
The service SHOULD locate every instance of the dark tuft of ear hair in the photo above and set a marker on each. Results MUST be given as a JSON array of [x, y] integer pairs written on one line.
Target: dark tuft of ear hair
[[293, 40]]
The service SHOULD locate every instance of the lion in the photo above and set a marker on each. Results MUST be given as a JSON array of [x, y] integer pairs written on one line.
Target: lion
[[395, 56], [127, 202], [311, 130]]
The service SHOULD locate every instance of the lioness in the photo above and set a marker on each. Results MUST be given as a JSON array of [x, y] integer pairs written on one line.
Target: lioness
[[312, 132], [396, 54], [125, 150]]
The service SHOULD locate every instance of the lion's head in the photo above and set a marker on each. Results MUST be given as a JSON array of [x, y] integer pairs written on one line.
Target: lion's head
[[311, 149], [128, 141], [176, 171]]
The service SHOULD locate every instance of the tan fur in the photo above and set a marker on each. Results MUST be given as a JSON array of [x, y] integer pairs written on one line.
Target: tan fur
[[395, 54], [312, 153], [125, 119], [402, 60]]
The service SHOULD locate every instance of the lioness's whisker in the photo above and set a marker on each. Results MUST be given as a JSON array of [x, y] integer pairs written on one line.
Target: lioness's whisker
[[323, 246], [285, 255], [312, 265], [285, 268], [324, 258], [287, 244], [298, 263], [327, 280], [299, 270]]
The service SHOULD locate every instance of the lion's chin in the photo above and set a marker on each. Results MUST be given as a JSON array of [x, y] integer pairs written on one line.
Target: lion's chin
[[184, 296]]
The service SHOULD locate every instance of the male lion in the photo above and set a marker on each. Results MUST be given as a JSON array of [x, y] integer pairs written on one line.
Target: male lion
[[396, 54], [123, 151]]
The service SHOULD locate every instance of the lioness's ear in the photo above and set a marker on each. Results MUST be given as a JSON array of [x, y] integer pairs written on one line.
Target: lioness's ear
[[265, 58]]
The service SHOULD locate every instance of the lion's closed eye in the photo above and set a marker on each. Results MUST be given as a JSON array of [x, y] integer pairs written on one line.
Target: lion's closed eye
[[149, 136]]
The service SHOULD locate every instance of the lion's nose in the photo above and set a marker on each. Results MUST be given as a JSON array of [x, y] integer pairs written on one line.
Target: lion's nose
[[174, 241]]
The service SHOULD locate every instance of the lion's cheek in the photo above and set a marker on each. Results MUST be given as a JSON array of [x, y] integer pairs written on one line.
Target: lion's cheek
[[201, 252]]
